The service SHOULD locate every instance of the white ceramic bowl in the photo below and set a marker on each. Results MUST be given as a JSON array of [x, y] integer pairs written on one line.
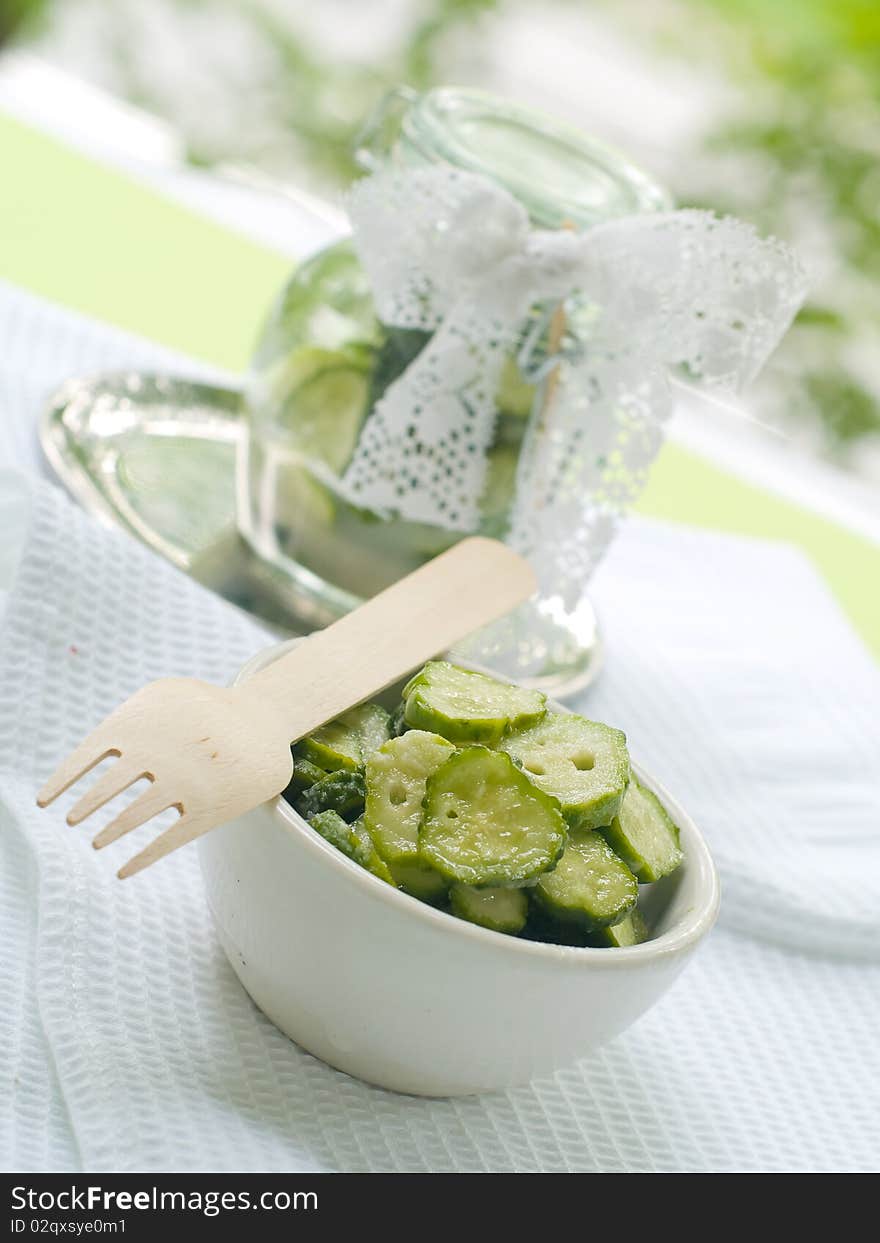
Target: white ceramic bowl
[[402, 995]]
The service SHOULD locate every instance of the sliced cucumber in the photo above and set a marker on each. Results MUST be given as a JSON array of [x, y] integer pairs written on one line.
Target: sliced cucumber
[[342, 792], [420, 881], [579, 762], [632, 930], [396, 776], [324, 412], [334, 830], [644, 835], [304, 503], [543, 834], [484, 823], [305, 773], [515, 396], [589, 886], [352, 840], [348, 741], [398, 349], [305, 362], [543, 927], [496, 498], [366, 854], [398, 724], [502, 910], [465, 706]]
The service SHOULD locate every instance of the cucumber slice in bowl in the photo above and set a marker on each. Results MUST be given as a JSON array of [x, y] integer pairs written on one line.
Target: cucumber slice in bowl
[[352, 840], [366, 855], [334, 830], [515, 838], [643, 835], [342, 792], [420, 881], [304, 775], [465, 706], [589, 887], [581, 763], [398, 723], [502, 910], [348, 741], [396, 775], [484, 823], [632, 930]]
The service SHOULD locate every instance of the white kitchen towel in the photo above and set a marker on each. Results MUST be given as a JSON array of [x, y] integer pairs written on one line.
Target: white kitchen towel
[[741, 685], [127, 1043], [42, 345]]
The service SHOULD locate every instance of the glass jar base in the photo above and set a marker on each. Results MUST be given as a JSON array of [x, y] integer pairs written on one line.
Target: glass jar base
[[542, 645], [172, 439]]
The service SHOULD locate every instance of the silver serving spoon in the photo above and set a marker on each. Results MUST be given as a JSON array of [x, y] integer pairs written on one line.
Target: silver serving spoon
[[136, 448]]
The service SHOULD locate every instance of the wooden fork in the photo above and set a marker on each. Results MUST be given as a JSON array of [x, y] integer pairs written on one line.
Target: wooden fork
[[215, 752]]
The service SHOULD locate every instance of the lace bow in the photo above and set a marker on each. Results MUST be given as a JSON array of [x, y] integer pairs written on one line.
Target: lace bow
[[452, 253]]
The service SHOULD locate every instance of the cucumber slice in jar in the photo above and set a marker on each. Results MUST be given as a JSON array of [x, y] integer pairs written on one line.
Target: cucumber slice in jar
[[325, 415], [396, 775], [498, 490], [632, 930], [515, 396], [342, 792], [465, 706], [581, 763], [484, 823], [399, 348], [589, 887], [644, 835], [303, 503], [321, 398], [502, 910], [348, 741]]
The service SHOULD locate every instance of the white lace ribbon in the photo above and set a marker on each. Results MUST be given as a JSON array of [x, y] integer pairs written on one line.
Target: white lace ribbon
[[452, 253]]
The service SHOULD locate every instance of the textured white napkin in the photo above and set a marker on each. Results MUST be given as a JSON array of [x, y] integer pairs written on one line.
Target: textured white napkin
[[741, 685], [42, 345], [126, 1042]]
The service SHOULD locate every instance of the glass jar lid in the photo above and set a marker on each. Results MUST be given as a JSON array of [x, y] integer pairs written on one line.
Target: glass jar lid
[[559, 174]]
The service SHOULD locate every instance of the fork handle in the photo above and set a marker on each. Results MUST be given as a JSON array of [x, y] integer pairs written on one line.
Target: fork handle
[[474, 583]]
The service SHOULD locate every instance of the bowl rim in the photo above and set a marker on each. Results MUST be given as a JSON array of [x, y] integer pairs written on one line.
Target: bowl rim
[[690, 928]]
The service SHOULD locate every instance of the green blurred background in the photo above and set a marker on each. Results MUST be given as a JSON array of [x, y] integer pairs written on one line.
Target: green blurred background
[[766, 108]]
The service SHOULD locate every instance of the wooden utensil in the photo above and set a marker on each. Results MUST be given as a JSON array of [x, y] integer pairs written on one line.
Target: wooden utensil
[[215, 752]]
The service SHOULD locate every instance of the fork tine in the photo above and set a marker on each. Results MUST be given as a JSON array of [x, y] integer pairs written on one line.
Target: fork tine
[[123, 774], [150, 803], [184, 830], [81, 760]]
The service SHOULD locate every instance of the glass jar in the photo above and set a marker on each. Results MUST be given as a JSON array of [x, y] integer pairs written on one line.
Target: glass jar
[[324, 357]]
